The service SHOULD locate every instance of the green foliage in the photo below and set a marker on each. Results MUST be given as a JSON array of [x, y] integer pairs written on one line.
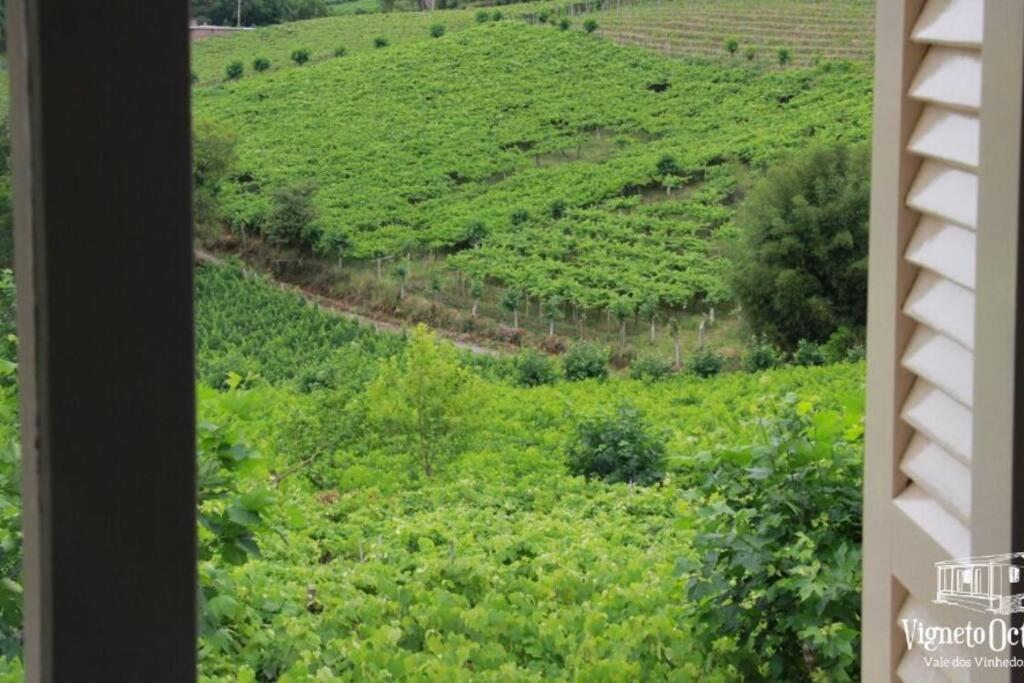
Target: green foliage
[[761, 354], [483, 16], [260, 64], [248, 332], [618, 238], [497, 16], [213, 155], [340, 51], [380, 41], [784, 56], [590, 25], [619, 448], [750, 53], [844, 344], [586, 361], [421, 404], [10, 520], [292, 220], [650, 368], [300, 56], [437, 30], [801, 261], [667, 165], [776, 557], [564, 23], [257, 12], [706, 362], [534, 368], [732, 45], [808, 354], [234, 71]]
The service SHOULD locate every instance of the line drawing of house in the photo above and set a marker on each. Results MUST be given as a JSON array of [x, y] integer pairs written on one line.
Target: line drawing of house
[[988, 583]]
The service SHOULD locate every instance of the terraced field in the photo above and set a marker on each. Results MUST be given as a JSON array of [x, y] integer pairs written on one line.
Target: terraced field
[[700, 28]]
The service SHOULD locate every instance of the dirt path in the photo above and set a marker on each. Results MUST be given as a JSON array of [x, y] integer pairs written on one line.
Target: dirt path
[[340, 308]]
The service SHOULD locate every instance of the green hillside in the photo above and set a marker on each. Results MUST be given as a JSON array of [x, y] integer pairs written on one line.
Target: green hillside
[[544, 145]]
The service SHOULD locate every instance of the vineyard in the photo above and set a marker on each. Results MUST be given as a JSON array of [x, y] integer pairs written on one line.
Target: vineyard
[[369, 570], [602, 177], [746, 30]]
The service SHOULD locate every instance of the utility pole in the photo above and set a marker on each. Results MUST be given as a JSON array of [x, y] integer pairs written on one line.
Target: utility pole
[[238, 20]]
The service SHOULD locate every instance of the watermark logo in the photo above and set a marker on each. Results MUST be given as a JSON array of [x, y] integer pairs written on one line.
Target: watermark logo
[[990, 583]]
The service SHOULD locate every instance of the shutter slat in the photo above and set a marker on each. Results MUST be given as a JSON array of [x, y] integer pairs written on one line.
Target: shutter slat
[[951, 22], [944, 363], [947, 135], [941, 418], [944, 248], [949, 76], [943, 306], [942, 527], [945, 192], [942, 476]]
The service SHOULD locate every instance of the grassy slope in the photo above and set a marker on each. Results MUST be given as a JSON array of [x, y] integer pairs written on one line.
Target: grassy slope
[[410, 145]]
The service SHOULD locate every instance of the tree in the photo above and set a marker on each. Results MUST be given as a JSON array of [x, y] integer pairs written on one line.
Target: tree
[[590, 25], [234, 71], [510, 302], [421, 404], [256, 12], [784, 56], [334, 245], [800, 260], [292, 218], [213, 155], [552, 311], [732, 45]]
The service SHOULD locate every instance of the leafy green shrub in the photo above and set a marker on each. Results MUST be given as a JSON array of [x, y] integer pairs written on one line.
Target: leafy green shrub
[[213, 155], [808, 354], [421, 404], [667, 165], [590, 25], [706, 362], [650, 368], [292, 218], [380, 41], [618, 448], [260, 64], [519, 216], [534, 368], [543, 16], [497, 16], [761, 354], [841, 343], [483, 16], [234, 71], [750, 53], [800, 262], [437, 30], [775, 569], [556, 209], [732, 45], [300, 56], [564, 24], [586, 361], [340, 51], [257, 12], [784, 56]]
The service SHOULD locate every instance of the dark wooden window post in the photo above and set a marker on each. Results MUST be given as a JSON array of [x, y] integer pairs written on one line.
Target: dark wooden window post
[[100, 133]]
